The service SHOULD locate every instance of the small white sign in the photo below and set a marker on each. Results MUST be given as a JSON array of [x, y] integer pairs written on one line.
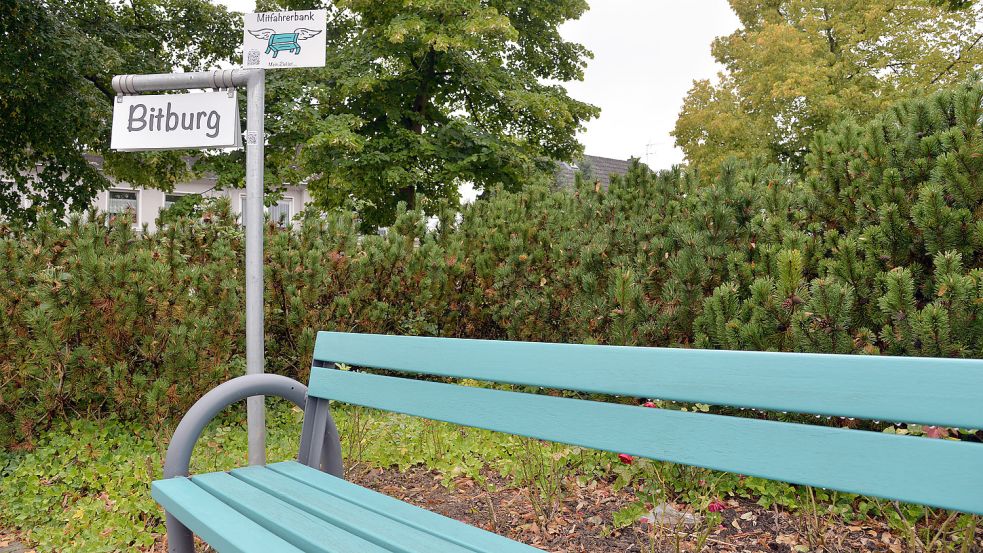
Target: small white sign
[[273, 40], [176, 121]]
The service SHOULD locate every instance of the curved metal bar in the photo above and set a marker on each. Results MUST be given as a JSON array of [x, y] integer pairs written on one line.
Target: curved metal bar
[[188, 431], [178, 460]]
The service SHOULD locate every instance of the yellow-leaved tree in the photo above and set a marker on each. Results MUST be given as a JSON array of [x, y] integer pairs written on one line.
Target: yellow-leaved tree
[[796, 66]]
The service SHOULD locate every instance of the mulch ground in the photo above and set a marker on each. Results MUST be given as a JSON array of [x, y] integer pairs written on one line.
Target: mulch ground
[[10, 543], [583, 522]]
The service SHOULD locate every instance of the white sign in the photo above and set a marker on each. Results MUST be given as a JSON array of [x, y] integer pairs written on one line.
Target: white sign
[[272, 40], [176, 121]]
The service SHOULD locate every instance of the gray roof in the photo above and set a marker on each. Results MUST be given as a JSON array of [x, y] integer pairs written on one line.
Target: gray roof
[[594, 168]]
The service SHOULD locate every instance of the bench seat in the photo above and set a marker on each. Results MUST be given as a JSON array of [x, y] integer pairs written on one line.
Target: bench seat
[[289, 507]]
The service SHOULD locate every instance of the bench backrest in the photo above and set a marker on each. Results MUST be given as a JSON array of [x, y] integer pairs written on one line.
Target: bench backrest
[[943, 392]]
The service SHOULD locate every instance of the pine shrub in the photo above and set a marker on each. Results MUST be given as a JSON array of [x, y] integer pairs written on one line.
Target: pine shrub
[[876, 248]]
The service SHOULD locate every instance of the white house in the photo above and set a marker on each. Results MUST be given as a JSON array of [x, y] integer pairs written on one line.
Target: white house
[[147, 203]]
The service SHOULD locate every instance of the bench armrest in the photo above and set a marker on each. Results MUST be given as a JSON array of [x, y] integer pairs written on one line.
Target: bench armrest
[[178, 460], [323, 449]]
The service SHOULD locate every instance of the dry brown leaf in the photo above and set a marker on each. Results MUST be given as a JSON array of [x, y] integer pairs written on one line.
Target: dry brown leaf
[[787, 539]]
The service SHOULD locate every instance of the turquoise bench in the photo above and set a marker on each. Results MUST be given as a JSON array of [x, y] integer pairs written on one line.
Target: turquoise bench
[[305, 505]]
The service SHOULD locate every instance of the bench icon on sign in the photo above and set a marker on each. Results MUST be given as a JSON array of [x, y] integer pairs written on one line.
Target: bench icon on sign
[[279, 42]]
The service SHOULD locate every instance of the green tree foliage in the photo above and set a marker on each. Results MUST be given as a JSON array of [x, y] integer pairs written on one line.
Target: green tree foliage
[[57, 59], [955, 4], [876, 248], [798, 66], [417, 98]]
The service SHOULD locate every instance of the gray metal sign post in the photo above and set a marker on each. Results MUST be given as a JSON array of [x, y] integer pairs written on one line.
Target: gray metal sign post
[[255, 82]]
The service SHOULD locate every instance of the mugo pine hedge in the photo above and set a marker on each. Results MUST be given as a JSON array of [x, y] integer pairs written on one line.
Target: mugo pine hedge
[[876, 248]]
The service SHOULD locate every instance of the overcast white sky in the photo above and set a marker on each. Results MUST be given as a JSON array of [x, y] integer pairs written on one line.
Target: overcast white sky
[[646, 55]]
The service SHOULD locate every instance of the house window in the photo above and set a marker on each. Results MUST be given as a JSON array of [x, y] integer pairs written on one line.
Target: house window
[[171, 199], [121, 201], [281, 213]]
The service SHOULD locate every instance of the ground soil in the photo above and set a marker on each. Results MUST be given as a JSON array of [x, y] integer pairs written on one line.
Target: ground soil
[[11, 543], [583, 522]]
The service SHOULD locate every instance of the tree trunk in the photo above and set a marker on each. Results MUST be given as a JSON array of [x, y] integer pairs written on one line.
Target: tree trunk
[[419, 109], [407, 194]]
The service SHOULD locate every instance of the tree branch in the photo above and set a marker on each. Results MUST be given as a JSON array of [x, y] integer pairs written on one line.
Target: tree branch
[[958, 59], [828, 31], [108, 92]]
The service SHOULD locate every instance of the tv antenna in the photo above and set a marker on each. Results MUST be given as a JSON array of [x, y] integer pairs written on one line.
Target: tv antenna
[[649, 150]]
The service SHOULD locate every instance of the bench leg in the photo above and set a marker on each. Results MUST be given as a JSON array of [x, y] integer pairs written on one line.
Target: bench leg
[[320, 445], [179, 538]]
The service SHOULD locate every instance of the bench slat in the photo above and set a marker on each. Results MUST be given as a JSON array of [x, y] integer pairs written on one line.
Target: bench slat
[[296, 526], [404, 513], [944, 392], [939, 473], [338, 511], [224, 528]]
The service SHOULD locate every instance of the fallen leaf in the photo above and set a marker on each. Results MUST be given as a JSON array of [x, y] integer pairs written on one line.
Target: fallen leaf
[[787, 539]]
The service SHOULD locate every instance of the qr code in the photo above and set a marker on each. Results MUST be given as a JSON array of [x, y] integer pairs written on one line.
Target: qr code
[[252, 58]]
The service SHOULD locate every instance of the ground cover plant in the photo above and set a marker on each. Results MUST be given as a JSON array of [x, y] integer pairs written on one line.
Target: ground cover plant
[[875, 247]]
